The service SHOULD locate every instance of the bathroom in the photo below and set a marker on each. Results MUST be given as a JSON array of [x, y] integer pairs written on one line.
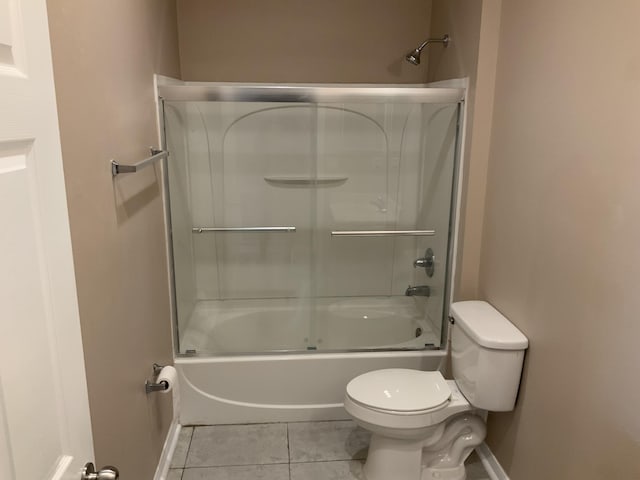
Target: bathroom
[[547, 196]]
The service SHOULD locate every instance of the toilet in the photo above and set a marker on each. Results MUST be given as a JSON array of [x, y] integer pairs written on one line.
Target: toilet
[[423, 426]]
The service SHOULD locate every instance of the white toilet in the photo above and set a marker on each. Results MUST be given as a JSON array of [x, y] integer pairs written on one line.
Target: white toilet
[[423, 426]]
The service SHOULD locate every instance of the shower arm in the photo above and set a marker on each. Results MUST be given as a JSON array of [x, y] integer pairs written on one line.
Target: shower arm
[[444, 40]]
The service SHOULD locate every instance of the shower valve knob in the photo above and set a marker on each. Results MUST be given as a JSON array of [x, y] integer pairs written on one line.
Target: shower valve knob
[[427, 262]]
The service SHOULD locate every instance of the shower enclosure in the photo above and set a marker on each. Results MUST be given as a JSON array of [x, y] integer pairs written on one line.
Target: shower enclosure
[[307, 221]]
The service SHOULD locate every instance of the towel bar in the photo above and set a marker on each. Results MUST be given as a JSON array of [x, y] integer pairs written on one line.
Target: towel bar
[[117, 168], [383, 233], [242, 229]]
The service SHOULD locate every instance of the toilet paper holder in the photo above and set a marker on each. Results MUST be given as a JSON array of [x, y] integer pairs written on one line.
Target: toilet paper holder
[[155, 387]]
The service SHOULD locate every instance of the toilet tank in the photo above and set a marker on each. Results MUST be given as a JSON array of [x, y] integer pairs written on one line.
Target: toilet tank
[[487, 352]]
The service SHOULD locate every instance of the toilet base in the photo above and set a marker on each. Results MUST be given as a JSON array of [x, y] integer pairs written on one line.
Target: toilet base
[[440, 456], [390, 458], [455, 473]]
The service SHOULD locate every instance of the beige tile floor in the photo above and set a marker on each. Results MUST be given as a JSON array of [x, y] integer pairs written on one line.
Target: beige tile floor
[[278, 451]]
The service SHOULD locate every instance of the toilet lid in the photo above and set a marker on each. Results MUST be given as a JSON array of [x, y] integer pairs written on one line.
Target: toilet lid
[[400, 389]]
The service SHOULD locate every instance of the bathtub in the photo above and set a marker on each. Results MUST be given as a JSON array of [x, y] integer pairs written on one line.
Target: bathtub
[[217, 387], [280, 388], [331, 323]]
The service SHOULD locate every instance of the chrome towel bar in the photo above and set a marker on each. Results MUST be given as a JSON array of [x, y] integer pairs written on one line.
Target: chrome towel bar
[[383, 233], [117, 168], [336, 233], [242, 229]]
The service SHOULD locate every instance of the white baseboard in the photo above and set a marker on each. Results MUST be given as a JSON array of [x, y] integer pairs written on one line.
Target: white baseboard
[[167, 451], [490, 462], [170, 442]]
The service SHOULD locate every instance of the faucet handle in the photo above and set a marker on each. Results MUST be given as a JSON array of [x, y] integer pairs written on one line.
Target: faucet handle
[[427, 262]]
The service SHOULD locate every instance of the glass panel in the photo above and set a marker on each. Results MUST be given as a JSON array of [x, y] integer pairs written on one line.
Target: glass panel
[[321, 169], [231, 168], [399, 162]]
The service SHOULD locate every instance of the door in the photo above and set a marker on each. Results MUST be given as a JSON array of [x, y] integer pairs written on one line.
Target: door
[[45, 430]]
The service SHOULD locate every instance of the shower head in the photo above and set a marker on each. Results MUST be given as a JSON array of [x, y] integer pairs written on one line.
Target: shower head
[[413, 57]]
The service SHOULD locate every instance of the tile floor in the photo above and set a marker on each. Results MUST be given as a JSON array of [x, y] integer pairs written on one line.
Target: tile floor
[[278, 451]]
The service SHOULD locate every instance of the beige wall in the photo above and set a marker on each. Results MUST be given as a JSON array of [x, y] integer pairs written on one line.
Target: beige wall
[[474, 27], [561, 254], [302, 41], [104, 56]]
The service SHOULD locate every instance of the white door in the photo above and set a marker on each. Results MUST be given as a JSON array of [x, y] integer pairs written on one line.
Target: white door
[[45, 432]]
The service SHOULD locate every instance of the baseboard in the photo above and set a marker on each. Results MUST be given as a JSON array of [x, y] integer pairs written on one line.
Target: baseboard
[[167, 451], [490, 462]]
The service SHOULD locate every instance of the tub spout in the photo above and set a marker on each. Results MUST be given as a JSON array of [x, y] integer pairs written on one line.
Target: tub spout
[[419, 291]]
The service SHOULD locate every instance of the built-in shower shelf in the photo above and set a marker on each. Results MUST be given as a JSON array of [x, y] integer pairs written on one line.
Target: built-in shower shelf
[[300, 181]]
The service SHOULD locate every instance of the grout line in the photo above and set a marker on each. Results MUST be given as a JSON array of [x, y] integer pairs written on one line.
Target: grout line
[[324, 421], [236, 465], [289, 451], [266, 423], [361, 460], [277, 463], [198, 425], [186, 457]]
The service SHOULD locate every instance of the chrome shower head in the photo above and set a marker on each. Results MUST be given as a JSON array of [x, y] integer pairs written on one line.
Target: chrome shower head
[[413, 57]]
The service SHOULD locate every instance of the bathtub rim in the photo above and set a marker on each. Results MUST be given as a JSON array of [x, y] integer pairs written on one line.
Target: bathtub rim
[[187, 358], [305, 353]]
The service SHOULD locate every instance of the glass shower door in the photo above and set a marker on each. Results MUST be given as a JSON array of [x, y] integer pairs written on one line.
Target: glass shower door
[[245, 189], [394, 203], [299, 212]]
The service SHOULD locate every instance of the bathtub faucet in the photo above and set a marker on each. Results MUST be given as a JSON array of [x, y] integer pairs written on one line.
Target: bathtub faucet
[[420, 291]]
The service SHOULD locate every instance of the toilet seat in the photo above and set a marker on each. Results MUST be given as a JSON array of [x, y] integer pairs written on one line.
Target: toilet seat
[[400, 391], [418, 416]]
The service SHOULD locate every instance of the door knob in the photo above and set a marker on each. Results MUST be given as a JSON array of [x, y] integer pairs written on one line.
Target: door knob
[[106, 473]]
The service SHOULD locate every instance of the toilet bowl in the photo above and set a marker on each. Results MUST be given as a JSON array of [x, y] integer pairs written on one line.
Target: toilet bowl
[[407, 412], [423, 426]]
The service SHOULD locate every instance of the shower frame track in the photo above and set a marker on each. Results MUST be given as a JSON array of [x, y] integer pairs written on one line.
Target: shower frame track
[[225, 92]]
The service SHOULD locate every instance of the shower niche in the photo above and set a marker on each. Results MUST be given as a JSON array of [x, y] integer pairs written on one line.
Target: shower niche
[[300, 216]]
